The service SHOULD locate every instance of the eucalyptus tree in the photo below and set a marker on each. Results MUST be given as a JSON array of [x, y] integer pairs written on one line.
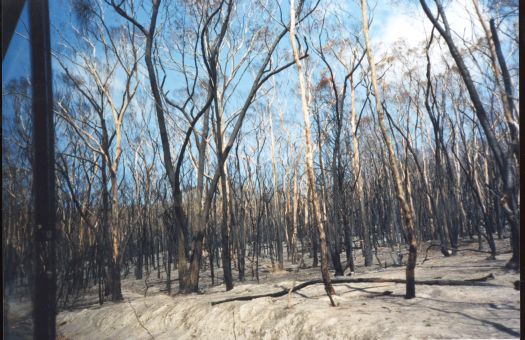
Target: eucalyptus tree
[[502, 152], [309, 153], [142, 163], [343, 56], [210, 15], [279, 223], [128, 11], [497, 62], [407, 210], [91, 62], [79, 218]]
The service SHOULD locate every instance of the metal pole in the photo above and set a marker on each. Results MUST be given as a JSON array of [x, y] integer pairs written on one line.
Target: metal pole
[[12, 10], [44, 280]]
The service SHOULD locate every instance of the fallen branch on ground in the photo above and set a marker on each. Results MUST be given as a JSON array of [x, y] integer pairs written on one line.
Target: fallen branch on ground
[[293, 283], [431, 246], [485, 251], [458, 250], [138, 319], [469, 282]]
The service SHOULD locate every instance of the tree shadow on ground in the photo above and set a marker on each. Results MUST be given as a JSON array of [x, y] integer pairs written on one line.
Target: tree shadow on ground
[[494, 324]]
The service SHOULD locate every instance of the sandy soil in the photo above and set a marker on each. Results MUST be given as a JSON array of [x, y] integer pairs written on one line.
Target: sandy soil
[[362, 312]]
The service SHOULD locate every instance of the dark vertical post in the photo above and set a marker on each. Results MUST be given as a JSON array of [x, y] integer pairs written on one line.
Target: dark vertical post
[[44, 284], [12, 10]]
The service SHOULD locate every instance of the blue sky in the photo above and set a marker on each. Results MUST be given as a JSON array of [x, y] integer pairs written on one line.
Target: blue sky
[[17, 59], [392, 21]]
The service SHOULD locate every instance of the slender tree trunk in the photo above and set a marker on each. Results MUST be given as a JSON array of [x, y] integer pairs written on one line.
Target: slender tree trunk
[[275, 198], [309, 160], [295, 207], [406, 208], [116, 291], [225, 234], [356, 168]]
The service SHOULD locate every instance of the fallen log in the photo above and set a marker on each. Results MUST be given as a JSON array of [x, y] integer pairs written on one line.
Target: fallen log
[[469, 282], [445, 253]]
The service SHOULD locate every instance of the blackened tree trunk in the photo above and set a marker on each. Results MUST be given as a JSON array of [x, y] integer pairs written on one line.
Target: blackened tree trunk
[[406, 208], [504, 162]]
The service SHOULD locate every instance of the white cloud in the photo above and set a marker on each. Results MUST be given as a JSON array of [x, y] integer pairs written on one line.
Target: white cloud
[[407, 27], [409, 23]]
